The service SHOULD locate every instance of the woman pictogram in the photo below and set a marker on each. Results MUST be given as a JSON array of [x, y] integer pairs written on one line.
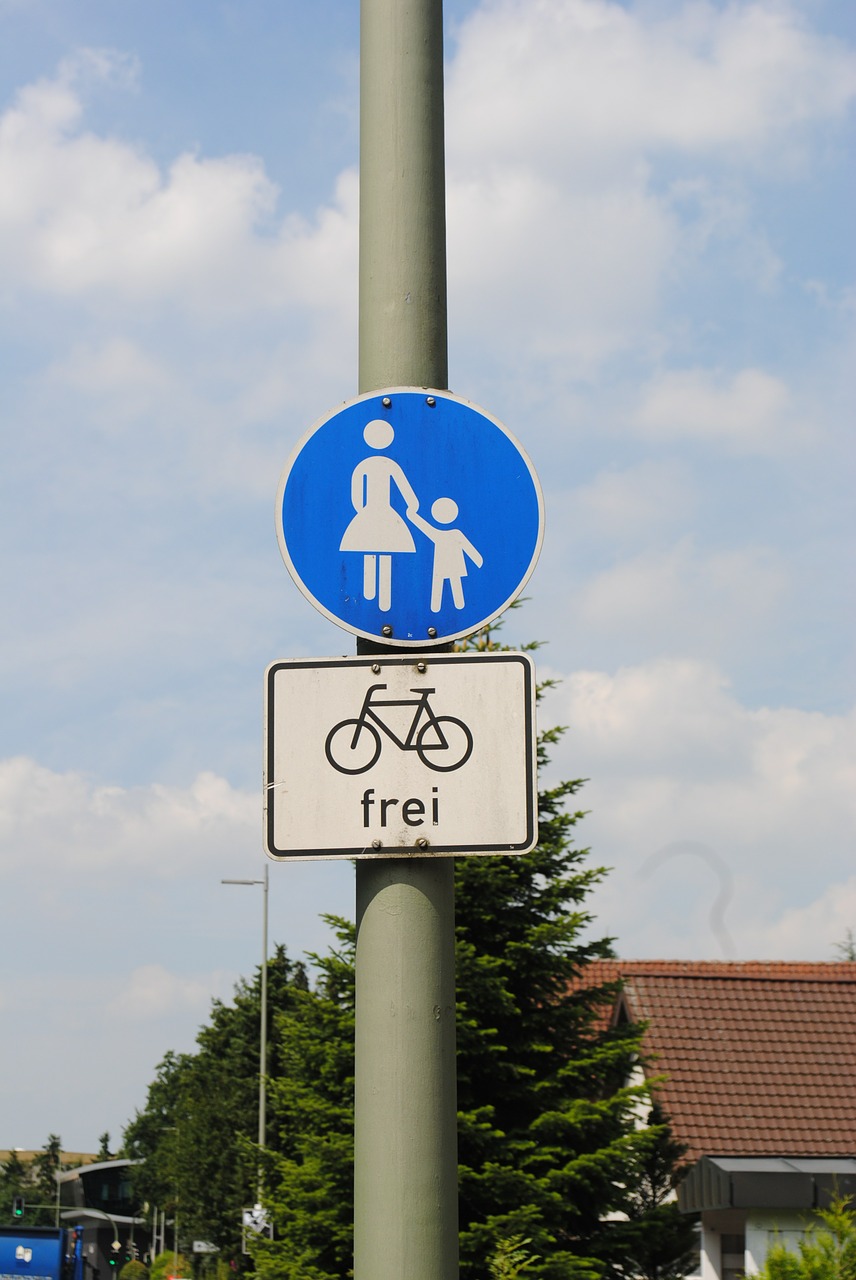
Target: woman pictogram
[[377, 530]]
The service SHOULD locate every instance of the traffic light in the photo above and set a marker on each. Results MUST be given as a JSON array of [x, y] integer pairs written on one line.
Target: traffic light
[[18, 1207], [113, 1255]]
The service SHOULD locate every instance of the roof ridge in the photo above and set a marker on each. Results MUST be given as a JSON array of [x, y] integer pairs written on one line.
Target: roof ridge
[[775, 970]]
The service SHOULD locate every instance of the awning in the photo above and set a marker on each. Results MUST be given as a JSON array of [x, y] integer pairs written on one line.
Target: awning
[[766, 1182]]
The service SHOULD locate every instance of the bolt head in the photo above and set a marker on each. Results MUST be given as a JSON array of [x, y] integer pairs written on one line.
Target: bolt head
[[432, 632], [429, 400], [376, 668], [386, 402], [420, 666], [375, 844], [387, 630]]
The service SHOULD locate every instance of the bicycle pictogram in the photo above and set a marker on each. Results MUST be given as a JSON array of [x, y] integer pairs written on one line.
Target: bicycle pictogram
[[442, 743]]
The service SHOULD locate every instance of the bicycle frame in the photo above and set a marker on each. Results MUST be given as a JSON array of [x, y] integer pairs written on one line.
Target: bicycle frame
[[421, 703]]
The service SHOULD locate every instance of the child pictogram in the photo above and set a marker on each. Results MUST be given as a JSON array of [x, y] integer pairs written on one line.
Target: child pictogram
[[451, 550]]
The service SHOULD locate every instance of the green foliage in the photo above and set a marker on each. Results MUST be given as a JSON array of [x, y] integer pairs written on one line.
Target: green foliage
[[510, 1259], [14, 1181], [550, 1152], [847, 947], [196, 1137], [826, 1252], [167, 1264], [134, 1270], [653, 1240], [309, 1173]]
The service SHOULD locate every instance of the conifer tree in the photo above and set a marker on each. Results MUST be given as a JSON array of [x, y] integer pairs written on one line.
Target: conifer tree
[[309, 1169], [548, 1139], [196, 1137], [550, 1150]]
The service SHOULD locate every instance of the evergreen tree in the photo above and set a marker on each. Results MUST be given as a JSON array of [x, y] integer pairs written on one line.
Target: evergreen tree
[[548, 1140], [550, 1151], [546, 1130], [42, 1192], [14, 1181], [196, 1138], [309, 1173], [653, 1240]]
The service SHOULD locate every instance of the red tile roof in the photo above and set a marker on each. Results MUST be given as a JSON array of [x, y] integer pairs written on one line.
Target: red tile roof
[[760, 1057]]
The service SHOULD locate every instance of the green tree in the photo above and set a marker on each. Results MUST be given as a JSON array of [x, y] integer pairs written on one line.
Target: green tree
[[196, 1137], [42, 1191], [104, 1152], [550, 1149], [134, 1270], [14, 1181], [168, 1264], [548, 1139], [510, 1259], [826, 1252], [652, 1240], [546, 1130], [309, 1171]]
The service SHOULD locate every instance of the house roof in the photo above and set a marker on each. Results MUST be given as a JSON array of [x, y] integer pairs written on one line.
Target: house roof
[[759, 1057]]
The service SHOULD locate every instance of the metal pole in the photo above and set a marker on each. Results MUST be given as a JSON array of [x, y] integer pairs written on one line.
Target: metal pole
[[405, 1203], [263, 1045], [263, 1019]]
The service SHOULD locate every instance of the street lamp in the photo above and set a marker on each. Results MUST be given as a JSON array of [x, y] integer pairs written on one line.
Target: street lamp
[[263, 1044]]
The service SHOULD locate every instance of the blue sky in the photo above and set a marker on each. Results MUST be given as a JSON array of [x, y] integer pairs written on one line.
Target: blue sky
[[651, 282]]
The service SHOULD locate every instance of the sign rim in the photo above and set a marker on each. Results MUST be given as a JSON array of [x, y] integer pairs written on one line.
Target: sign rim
[[426, 642], [524, 846]]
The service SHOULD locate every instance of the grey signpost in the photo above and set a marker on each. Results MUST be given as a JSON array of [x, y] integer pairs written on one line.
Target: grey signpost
[[405, 1166], [411, 518]]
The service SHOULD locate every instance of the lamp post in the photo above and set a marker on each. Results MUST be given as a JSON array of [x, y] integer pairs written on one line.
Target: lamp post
[[263, 1020]]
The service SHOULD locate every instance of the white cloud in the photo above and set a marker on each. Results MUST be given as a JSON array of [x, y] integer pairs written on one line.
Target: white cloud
[[151, 991], [684, 599], [632, 502], [554, 84], [703, 805], [81, 827], [83, 215], [552, 274], [830, 918], [596, 154], [751, 412]]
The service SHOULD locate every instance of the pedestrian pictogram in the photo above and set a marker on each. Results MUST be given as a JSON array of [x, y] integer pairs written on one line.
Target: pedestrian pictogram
[[410, 517], [390, 756], [442, 743]]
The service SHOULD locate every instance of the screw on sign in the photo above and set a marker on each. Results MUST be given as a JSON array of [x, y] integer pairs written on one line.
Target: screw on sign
[[408, 517]]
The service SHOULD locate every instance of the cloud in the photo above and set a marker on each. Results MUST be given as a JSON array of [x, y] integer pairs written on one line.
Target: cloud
[[685, 599], [694, 795], [597, 154], [83, 827], [554, 85], [632, 502], [750, 412], [151, 991], [84, 215]]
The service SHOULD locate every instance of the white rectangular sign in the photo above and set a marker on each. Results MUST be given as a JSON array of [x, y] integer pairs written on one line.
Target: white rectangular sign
[[400, 756]]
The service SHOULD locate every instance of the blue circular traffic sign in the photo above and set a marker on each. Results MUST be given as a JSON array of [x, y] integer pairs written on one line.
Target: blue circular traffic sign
[[409, 516]]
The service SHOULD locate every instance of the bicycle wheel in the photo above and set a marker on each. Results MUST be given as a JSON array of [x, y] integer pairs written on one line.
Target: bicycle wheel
[[352, 746], [447, 748]]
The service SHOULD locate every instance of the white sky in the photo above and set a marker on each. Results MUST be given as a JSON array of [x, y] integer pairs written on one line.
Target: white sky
[[651, 282]]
